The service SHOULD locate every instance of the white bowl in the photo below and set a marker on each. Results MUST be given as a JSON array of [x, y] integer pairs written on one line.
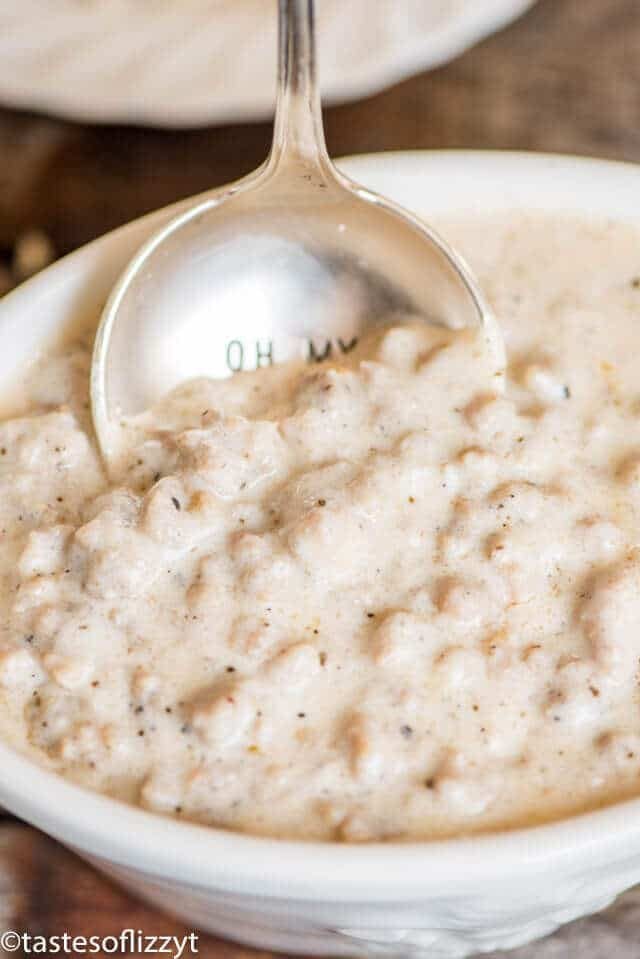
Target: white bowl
[[438, 899]]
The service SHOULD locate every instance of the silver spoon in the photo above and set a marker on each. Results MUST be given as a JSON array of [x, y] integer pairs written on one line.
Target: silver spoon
[[293, 260]]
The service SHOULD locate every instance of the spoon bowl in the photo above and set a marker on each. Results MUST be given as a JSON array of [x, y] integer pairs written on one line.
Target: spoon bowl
[[294, 260]]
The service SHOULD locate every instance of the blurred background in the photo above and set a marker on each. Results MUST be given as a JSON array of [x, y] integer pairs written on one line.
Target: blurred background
[[112, 108], [152, 88]]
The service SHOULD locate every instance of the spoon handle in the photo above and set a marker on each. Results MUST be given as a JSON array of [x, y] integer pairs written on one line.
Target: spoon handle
[[298, 133]]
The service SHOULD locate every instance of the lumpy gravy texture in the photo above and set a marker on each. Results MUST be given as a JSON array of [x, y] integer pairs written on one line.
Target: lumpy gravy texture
[[361, 600]]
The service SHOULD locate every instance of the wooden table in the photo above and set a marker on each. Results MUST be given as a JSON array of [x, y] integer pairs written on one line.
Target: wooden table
[[564, 78]]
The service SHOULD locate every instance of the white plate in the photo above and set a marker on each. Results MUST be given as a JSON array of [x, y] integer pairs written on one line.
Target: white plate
[[192, 62]]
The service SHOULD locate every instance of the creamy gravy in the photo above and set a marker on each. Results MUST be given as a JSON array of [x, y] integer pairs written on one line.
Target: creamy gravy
[[361, 601]]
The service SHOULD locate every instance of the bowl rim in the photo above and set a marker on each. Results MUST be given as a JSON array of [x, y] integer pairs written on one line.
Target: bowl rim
[[210, 857]]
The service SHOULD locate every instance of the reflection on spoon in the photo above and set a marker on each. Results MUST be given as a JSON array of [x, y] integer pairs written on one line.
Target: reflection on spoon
[[293, 260]]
